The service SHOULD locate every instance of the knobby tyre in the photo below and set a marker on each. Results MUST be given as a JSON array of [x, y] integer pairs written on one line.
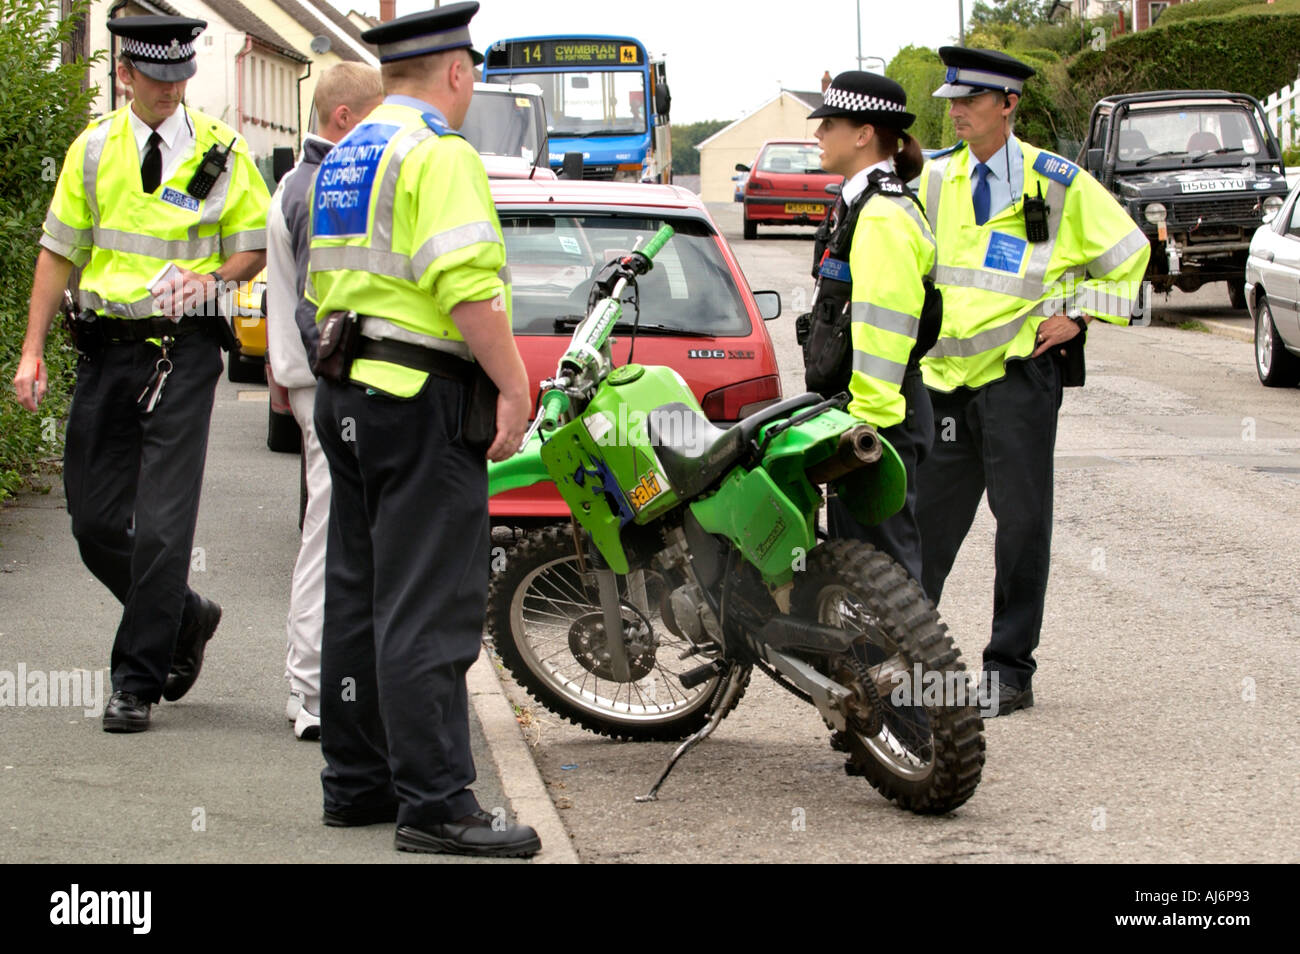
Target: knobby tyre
[[927, 757], [545, 621]]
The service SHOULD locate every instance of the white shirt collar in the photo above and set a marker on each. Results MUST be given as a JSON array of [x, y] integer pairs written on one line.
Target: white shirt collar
[[167, 130], [998, 163], [858, 184]]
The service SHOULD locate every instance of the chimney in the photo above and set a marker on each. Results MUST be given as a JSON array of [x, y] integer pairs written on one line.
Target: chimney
[[826, 80], [387, 10]]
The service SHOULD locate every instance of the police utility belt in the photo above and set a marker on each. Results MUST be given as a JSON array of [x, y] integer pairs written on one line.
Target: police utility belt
[[341, 343], [91, 332]]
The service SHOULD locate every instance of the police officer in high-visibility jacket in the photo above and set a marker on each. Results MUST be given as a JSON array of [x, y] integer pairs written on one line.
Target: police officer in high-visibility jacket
[[879, 251], [1031, 249], [159, 205], [405, 237]]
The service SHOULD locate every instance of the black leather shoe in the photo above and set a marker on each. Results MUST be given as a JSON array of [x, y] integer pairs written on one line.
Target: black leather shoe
[[126, 712], [472, 835], [1009, 699], [358, 818], [195, 632]]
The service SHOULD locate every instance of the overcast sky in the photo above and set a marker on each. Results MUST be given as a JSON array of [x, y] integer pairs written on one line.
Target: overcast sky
[[724, 59]]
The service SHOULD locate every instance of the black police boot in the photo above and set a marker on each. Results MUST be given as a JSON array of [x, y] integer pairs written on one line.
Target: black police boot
[[126, 712], [472, 835], [195, 632]]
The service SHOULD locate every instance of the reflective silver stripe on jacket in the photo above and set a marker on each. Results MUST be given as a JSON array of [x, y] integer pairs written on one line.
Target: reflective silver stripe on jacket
[[176, 249], [886, 319], [143, 308], [462, 236], [356, 258], [933, 188], [64, 234], [381, 328], [382, 239], [251, 240], [90, 166], [984, 341], [1003, 282], [878, 367], [504, 274], [1118, 254]]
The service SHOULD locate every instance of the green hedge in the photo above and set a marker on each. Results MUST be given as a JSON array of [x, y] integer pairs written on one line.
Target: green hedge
[[1205, 9], [40, 115]]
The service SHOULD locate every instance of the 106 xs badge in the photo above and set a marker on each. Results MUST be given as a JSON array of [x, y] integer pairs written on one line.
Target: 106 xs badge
[[719, 353]]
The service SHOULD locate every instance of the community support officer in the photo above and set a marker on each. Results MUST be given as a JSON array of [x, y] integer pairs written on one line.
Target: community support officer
[[1031, 249], [158, 204], [878, 252], [345, 94], [404, 234]]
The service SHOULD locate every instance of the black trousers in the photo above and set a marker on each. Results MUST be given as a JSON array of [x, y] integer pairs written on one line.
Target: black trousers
[[1000, 437], [406, 577], [133, 482], [900, 535]]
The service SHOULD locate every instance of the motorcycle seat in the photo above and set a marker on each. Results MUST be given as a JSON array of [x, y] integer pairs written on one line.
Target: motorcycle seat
[[694, 454]]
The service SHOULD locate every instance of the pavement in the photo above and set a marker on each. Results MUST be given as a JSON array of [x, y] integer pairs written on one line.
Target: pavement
[[219, 776]]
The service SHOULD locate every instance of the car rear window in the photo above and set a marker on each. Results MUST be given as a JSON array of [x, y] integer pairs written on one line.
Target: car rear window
[[554, 257], [791, 158]]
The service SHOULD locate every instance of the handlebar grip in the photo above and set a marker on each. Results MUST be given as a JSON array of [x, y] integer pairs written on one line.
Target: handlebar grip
[[554, 403], [659, 240]]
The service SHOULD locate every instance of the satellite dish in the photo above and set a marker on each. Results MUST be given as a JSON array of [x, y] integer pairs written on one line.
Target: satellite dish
[[320, 44]]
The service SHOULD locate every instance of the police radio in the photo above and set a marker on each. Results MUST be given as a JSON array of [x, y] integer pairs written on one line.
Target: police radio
[[1036, 217], [213, 164]]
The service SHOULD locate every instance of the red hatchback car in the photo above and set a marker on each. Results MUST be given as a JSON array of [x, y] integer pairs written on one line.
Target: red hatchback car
[[786, 185], [698, 315]]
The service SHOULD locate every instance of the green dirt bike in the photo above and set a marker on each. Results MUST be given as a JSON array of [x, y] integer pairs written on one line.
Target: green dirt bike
[[693, 557]]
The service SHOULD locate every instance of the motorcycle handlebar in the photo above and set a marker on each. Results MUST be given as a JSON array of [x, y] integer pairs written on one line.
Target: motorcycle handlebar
[[659, 240], [554, 403]]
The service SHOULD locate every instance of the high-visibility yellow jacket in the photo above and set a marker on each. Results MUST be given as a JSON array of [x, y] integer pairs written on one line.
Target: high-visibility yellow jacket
[[998, 287], [403, 230], [892, 251], [101, 219]]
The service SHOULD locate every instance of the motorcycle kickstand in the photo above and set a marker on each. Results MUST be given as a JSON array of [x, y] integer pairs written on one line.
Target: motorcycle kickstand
[[735, 679]]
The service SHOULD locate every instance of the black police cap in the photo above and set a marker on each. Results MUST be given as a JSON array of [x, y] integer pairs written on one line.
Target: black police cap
[[866, 98], [419, 34], [161, 48], [973, 71]]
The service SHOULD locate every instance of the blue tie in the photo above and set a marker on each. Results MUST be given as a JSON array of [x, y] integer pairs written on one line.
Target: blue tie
[[981, 194]]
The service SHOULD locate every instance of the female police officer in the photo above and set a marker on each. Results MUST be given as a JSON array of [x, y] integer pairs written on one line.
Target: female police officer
[[879, 251]]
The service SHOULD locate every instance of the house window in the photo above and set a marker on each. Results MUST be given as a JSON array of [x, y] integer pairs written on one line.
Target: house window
[[1154, 10]]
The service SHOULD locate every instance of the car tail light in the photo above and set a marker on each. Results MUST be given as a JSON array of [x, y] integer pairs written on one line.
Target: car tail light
[[756, 183], [740, 400]]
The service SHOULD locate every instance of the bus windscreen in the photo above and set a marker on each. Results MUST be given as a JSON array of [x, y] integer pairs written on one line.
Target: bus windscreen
[[589, 104]]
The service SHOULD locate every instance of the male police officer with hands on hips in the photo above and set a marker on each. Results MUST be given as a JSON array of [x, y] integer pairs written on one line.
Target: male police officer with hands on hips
[[1031, 248], [158, 204], [405, 235]]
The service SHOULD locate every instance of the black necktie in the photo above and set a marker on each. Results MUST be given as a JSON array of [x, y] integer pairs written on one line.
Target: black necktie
[[151, 168]]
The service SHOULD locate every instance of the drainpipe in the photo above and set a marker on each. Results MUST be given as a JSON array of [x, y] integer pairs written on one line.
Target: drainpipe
[[239, 67], [112, 58], [299, 113]]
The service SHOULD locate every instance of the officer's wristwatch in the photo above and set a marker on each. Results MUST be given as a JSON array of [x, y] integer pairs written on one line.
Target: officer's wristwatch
[[1078, 319]]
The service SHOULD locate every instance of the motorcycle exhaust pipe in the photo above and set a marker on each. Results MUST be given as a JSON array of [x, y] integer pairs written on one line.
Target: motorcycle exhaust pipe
[[858, 447]]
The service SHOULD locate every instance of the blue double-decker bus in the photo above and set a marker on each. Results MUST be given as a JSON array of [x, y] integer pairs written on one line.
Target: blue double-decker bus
[[604, 99]]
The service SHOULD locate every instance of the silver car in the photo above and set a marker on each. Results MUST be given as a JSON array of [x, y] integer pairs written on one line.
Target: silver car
[[1273, 295]]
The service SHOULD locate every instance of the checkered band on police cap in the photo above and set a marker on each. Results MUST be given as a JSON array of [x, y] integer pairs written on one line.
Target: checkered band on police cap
[[172, 52], [859, 102]]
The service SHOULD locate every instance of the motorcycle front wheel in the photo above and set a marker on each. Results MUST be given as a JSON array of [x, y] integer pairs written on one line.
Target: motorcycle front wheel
[[545, 620], [914, 731]]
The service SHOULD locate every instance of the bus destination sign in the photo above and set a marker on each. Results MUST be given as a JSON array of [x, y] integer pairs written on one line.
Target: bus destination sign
[[566, 53]]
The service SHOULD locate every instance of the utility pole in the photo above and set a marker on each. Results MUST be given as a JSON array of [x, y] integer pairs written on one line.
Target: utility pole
[[961, 23], [859, 6]]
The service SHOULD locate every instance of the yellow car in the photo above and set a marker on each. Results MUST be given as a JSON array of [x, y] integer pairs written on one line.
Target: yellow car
[[248, 321]]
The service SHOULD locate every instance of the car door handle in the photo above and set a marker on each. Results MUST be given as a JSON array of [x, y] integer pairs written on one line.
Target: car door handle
[[1266, 255]]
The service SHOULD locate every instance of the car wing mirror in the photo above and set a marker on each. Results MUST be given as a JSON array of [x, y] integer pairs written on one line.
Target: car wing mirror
[[834, 188], [769, 304], [1093, 160], [572, 167], [741, 167]]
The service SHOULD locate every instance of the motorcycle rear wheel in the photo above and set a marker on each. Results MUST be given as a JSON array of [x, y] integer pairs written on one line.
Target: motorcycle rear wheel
[[540, 609], [926, 757]]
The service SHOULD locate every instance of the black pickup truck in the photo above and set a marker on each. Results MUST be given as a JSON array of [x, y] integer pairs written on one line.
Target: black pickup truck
[[1199, 171]]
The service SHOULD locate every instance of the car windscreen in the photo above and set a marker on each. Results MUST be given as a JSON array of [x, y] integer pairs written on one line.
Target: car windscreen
[[791, 158], [1190, 131], [502, 124], [604, 103], [553, 258]]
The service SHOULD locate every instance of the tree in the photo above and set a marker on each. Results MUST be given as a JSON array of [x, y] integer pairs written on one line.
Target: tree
[[686, 159], [42, 109], [1020, 13]]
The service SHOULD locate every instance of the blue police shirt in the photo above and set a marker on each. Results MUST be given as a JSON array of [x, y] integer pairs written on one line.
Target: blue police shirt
[[1001, 190]]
